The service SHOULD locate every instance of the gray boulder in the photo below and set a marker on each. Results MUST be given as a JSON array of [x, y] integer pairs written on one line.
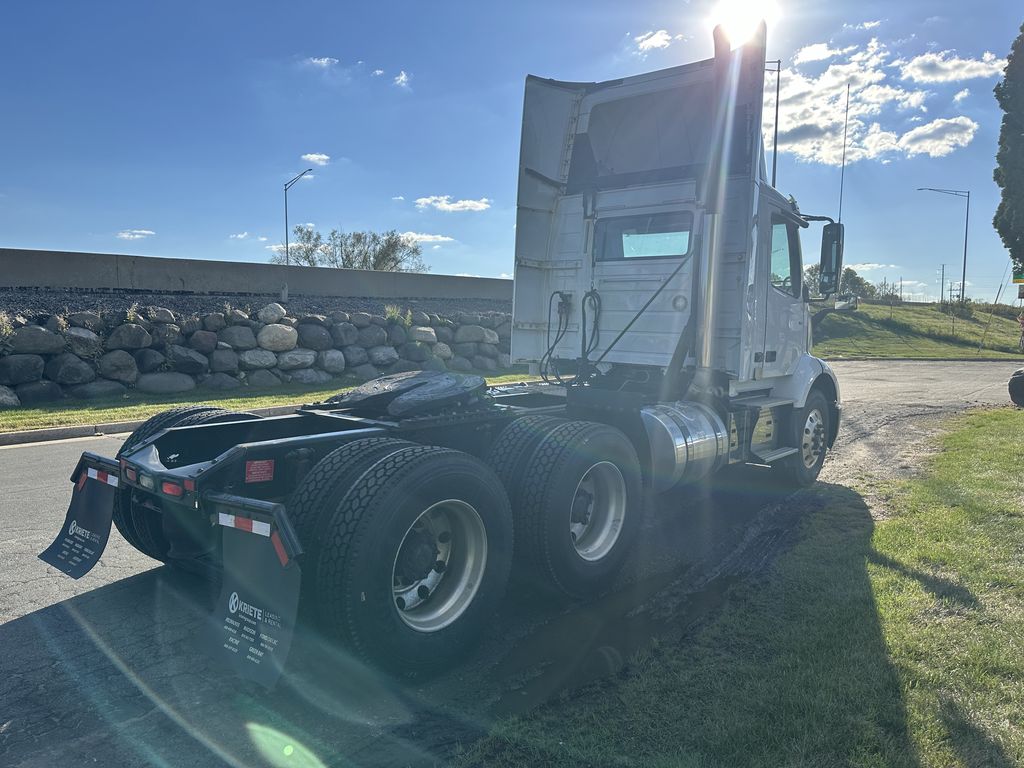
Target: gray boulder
[[255, 359], [164, 334], [83, 342], [382, 356], [434, 319], [471, 333], [147, 361], [465, 349], [416, 351], [123, 367], [160, 315], [291, 322], [433, 363], [34, 340], [397, 335], [315, 320], [21, 369], [355, 355], [484, 363], [185, 360], [504, 330], [468, 318], [191, 325], [167, 383], [311, 376], [277, 337], [420, 318], [263, 379], [339, 317], [272, 313], [240, 337], [360, 319], [344, 334], [314, 336], [331, 360], [504, 361], [379, 320], [443, 351], [129, 336], [214, 322], [89, 320], [401, 366], [203, 342], [237, 317], [422, 333], [296, 358], [67, 368], [8, 399], [55, 323], [372, 336], [444, 334], [460, 364], [364, 371], [224, 361], [221, 381], [38, 392], [487, 350], [97, 389]]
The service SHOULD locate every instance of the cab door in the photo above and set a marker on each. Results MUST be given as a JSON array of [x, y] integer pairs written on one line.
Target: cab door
[[785, 319]]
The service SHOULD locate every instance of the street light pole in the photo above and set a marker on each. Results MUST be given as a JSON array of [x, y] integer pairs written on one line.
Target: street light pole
[[288, 186], [965, 193]]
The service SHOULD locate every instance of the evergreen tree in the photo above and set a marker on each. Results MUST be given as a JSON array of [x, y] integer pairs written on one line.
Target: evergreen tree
[[1009, 173]]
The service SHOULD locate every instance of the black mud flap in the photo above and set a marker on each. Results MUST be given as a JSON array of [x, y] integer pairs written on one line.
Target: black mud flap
[[252, 624], [83, 537]]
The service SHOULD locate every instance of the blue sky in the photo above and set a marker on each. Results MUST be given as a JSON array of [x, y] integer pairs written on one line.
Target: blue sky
[[164, 129]]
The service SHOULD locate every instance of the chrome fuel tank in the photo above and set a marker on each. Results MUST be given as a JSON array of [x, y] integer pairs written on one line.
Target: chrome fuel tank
[[688, 440]]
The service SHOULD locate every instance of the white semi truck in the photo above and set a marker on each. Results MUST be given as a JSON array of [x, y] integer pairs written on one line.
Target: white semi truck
[[658, 292]]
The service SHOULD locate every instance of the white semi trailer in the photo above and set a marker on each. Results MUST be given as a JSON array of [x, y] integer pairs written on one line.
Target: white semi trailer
[[658, 291]]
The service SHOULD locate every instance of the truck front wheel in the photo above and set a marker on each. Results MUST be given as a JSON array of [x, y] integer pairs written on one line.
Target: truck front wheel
[[810, 431], [414, 558]]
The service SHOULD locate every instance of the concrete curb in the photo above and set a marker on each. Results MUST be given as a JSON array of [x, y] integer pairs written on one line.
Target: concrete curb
[[1007, 360], [110, 428]]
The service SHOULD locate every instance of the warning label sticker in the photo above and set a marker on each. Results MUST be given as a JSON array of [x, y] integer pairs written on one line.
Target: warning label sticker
[[261, 471], [254, 619]]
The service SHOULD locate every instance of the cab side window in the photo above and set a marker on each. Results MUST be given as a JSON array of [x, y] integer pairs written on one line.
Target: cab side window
[[785, 262]]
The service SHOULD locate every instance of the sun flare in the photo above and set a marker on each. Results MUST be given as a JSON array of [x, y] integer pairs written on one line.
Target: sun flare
[[739, 18]]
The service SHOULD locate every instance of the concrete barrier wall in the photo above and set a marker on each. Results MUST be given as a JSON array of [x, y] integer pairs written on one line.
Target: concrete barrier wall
[[23, 268]]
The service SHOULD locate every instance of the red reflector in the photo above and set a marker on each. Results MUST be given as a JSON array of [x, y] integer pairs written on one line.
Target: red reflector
[[190, 485], [124, 463], [131, 474], [171, 489]]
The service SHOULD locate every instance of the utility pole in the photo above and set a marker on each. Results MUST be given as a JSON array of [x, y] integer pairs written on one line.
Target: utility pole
[[965, 193], [901, 289], [942, 285]]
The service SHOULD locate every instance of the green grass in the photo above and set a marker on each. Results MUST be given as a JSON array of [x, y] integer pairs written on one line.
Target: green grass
[[896, 643], [135, 405], [917, 331]]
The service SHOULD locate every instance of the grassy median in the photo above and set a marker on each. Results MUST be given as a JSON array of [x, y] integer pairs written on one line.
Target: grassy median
[[135, 405], [883, 637]]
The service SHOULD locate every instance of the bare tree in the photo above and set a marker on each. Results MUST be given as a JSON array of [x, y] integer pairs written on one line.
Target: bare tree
[[382, 251]]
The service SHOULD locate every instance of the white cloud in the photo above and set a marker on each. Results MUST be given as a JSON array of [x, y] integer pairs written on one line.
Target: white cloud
[[819, 52], [811, 112], [947, 67], [868, 266], [961, 95], [275, 248], [135, 234], [317, 158], [435, 247], [377, 72], [262, 239], [239, 236], [398, 197], [324, 62], [863, 25], [445, 203], [650, 41], [402, 79], [939, 137], [419, 237], [465, 274], [505, 276]]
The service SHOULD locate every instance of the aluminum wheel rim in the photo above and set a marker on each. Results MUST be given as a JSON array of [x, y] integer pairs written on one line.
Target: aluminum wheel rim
[[597, 511], [812, 441], [432, 601]]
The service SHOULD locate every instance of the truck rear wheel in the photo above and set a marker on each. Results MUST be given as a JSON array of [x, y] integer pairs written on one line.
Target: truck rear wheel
[[1016, 388], [580, 508], [809, 435], [415, 558], [511, 451], [143, 528]]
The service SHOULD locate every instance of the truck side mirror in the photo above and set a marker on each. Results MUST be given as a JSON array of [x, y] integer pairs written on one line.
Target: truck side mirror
[[831, 265]]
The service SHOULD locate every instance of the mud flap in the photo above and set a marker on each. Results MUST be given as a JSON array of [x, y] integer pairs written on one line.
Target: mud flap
[[83, 537], [252, 623]]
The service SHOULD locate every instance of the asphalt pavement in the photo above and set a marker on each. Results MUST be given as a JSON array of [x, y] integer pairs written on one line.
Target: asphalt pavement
[[111, 669]]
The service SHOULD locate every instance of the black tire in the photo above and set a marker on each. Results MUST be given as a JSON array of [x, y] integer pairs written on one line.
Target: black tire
[[143, 529], [1015, 386], [808, 440], [511, 450], [318, 495], [547, 546], [359, 558]]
